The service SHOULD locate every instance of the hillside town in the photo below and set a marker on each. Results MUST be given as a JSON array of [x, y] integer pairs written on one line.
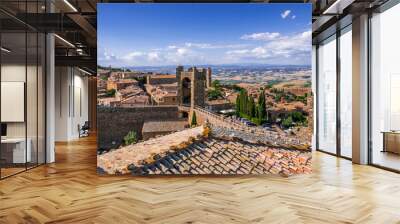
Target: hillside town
[[145, 106], [283, 98]]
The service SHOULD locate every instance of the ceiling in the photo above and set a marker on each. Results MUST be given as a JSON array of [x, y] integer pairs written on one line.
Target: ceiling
[[75, 21]]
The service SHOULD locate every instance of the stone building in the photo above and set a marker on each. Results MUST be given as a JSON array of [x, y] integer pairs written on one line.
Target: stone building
[[101, 84], [297, 91], [137, 100], [160, 79], [164, 94], [208, 77], [121, 84], [191, 86]]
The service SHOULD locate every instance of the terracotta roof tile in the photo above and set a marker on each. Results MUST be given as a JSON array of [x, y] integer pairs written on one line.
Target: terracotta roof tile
[[216, 155]]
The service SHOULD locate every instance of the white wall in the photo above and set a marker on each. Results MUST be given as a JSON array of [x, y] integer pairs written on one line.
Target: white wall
[[33, 126], [80, 109], [71, 94], [11, 73], [61, 103]]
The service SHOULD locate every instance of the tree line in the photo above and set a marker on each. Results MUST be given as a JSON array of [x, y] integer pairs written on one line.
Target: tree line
[[247, 108]]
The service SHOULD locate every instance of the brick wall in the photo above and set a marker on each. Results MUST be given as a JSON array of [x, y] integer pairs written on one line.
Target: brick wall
[[114, 123]]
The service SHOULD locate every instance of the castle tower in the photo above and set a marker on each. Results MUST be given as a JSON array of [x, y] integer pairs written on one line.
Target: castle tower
[[198, 87], [179, 70], [191, 86], [208, 77]]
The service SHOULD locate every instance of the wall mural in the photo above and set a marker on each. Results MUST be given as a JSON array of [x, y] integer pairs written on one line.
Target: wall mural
[[218, 89]]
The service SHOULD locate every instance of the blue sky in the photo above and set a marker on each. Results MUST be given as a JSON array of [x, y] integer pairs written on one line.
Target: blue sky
[[194, 34]]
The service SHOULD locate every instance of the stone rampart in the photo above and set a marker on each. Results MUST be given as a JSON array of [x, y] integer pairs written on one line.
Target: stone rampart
[[114, 123], [274, 138]]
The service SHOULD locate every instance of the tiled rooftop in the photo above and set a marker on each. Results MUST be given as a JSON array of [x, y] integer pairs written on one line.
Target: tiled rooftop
[[218, 156], [222, 152], [163, 126], [117, 161]]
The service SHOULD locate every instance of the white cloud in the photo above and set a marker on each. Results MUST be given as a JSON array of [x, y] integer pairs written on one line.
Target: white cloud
[[212, 46], [285, 14], [172, 54], [105, 55], [263, 47], [288, 48], [154, 56], [260, 52], [137, 57], [182, 51], [294, 17], [261, 36], [198, 45], [244, 51], [132, 55]]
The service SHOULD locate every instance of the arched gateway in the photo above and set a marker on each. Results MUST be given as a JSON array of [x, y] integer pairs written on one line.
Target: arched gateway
[[191, 86]]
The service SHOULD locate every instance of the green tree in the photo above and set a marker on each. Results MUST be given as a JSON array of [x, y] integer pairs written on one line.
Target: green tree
[[214, 94], [130, 138], [298, 117], [288, 122], [278, 97], [256, 111], [216, 84], [251, 110], [194, 120], [243, 101], [111, 92], [307, 84], [237, 105], [237, 88], [261, 106]]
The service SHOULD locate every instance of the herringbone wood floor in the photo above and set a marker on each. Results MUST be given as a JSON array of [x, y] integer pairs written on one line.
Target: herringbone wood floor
[[70, 191]]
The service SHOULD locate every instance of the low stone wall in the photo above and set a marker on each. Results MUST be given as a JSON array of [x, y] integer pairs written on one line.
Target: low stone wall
[[219, 107], [114, 123], [273, 138]]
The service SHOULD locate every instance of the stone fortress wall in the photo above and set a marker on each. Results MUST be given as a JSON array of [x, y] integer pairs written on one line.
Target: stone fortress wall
[[160, 79], [273, 138], [114, 123]]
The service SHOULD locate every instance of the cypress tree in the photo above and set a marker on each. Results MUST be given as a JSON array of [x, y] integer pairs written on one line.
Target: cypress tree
[[261, 106], [238, 105], [244, 110], [243, 101], [251, 107], [256, 111], [194, 120]]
